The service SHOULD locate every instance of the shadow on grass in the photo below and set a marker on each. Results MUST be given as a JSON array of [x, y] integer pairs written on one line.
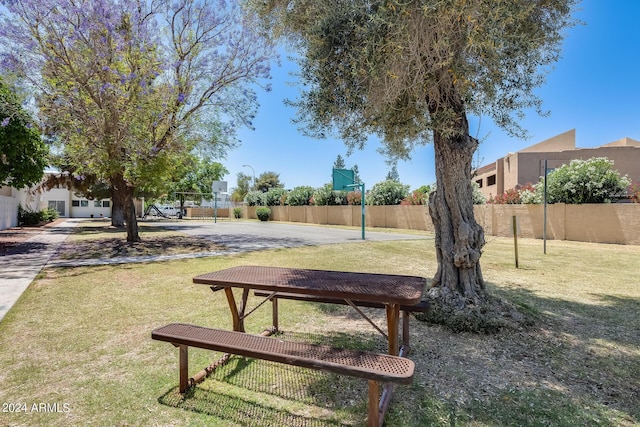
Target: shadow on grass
[[590, 350], [238, 410], [614, 318], [578, 366], [246, 391]]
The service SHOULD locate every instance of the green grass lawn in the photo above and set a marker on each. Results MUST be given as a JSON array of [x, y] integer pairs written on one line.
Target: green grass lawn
[[78, 341]]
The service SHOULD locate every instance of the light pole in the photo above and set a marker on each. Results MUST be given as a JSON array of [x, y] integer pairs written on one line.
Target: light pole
[[254, 175]]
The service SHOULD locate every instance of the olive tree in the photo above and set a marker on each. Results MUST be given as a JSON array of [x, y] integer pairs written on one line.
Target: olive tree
[[411, 72]]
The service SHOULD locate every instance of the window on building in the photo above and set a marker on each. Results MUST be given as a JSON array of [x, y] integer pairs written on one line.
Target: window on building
[[75, 203], [479, 182], [84, 203], [57, 205], [97, 203], [106, 203], [491, 180]]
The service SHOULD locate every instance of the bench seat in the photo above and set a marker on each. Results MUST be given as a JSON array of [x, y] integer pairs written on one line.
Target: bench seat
[[373, 367]]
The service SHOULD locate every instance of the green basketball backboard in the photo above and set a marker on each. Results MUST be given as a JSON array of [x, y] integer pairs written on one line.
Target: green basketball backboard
[[343, 179]]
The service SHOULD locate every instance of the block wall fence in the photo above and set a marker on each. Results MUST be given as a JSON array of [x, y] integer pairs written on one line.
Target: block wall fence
[[596, 223]]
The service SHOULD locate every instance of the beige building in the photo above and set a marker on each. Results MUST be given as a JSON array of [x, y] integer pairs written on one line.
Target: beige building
[[527, 166]]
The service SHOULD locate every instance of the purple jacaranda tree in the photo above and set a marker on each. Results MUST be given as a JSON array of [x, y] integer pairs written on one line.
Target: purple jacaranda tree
[[128, 85]]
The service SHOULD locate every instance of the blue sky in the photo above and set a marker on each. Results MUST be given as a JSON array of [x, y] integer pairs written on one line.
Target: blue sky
[[594, 88]]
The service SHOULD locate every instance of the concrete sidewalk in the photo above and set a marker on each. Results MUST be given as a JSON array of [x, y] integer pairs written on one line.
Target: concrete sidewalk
[[22, 263]]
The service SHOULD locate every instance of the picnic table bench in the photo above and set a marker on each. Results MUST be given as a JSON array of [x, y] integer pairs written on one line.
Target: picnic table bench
[[373, 367]]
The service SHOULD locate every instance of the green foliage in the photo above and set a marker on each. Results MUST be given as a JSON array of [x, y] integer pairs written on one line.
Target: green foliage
[[478, 197], [393, 174], [263, 213], [339, 163], [531, 195], [387, 193], [274, 197], [526, 194], [415, 198], [326, 196], [23, 153], [196, 175], [420, 196], [237, 213], [404, 69], [268, 180], [29, 217], [300, 196], [585, 181], [253, 198], [243, 182], [426, 189]]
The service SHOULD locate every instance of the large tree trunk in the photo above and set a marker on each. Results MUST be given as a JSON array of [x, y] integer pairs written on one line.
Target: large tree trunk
[[458, 237], [122, 196], [458, 297], [117, 208]]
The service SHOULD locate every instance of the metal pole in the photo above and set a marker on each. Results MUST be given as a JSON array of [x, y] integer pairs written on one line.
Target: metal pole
[[254, 174], [515, 237], [362, 210], [544, 216]]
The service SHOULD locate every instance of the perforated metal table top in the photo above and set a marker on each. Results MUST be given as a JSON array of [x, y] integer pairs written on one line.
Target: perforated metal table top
[[384, 288]]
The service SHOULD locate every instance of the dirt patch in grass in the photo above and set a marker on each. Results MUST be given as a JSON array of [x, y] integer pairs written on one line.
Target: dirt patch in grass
[[112, 247], [11, 237]]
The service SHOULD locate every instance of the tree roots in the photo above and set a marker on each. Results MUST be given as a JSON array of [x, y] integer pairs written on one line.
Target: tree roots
[[488, 314]]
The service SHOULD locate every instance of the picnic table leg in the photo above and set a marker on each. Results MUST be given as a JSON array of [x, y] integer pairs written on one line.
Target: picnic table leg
[[374, 411], [274, 313], [405, 347], [238, 322], [184, 368], [393, 319]]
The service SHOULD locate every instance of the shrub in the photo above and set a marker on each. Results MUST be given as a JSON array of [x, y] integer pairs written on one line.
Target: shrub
[[419, 196], [253, 198], [521, 194], [237, 213], [300, 196], [354, 198], [478, 197], [263, 213], [29, 217], [387, 193], [324, 196], [585, 181], [49, 214], [511, 197], [275, 196]]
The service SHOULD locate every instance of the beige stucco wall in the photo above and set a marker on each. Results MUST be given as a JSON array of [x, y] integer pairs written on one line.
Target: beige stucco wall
[[603, 223], [207, 212], [597, 223], [340, 215]]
